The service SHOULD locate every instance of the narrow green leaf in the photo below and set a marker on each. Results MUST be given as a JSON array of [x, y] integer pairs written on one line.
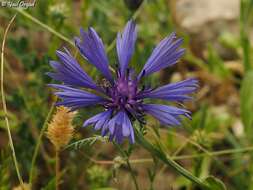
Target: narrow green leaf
[[246, 7], [246, 98]]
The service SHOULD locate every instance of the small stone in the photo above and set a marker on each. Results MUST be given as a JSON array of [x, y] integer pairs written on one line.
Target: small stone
[[192, 15], [205, 20]]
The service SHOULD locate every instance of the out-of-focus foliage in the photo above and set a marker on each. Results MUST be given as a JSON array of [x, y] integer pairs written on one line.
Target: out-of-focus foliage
[[217, 142]]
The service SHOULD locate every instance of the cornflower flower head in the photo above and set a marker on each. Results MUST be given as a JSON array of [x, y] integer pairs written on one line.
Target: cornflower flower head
[[122, 95]]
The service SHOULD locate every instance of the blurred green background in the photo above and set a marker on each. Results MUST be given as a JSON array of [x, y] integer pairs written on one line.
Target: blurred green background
[[218, 37]]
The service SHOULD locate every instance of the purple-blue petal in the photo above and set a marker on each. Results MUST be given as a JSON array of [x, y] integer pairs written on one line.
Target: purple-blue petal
[[167, 115], [111, 125], [91, 47], [125, 45], [70, 72], [99, 124], [178, 91], [166, 53], [120, 127], [99, 120], [75, 98]]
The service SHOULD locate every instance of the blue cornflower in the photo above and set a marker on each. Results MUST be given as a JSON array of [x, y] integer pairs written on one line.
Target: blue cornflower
[[121, 97]]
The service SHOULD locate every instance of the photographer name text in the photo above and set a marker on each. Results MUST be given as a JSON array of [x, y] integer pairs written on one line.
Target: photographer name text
[[18, 4]]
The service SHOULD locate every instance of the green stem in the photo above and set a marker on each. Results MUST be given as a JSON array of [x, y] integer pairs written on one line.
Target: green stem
[[36, 151], [126, 157], [132, 174], [27, 15], [168, 160], [5, 106]]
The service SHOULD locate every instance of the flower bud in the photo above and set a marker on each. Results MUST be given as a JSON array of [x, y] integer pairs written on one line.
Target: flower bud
[[133, 4]]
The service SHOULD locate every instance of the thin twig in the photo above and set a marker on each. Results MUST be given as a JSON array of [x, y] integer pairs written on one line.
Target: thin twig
[[132, 174], [36, 151], [180, 157], [5, 106], [57, 169], [189, 140], [51, 30], [126, 158]]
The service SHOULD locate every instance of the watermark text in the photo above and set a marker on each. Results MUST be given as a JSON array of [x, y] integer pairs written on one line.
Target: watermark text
[[19, 4]]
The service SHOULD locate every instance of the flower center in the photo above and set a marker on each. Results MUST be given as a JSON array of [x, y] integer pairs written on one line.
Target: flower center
[[123, 96], [123, 93], [126, 88]]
